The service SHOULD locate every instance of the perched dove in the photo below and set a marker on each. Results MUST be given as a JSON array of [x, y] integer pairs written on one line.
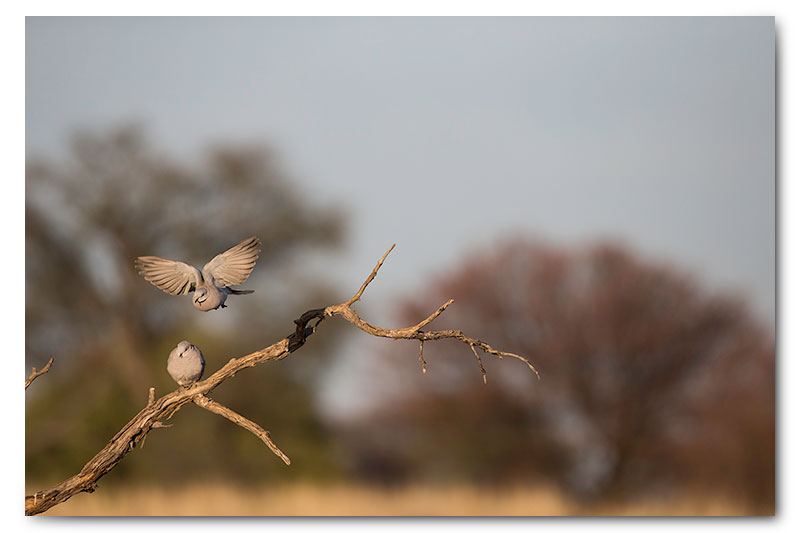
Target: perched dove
[[211, 287], [185, 363]]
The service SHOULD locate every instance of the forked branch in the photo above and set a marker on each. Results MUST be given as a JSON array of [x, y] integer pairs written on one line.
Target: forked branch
[[346, 311], [36, 373], [157, 411]]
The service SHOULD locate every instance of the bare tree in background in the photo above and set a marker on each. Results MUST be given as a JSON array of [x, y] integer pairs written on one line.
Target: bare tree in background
[[115, 197], [648, 383]]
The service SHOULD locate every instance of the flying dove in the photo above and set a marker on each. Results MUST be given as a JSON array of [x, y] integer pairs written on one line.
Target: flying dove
[[212, 286], [185, 363]]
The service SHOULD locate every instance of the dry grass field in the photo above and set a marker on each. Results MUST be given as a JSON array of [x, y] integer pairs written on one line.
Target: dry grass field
[[360, 500]]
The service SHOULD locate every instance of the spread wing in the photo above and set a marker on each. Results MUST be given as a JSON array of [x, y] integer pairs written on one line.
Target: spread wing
[[234, 265], [170, 276]]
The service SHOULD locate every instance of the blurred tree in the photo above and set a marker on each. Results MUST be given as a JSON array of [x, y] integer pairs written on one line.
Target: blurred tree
[[648, 383], [87, 219]]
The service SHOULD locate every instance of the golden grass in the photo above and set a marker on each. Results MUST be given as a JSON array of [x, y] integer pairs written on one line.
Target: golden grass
[[216, 499]]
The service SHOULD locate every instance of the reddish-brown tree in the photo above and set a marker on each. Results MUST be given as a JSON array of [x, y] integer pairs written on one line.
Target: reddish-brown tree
[[648, 382]]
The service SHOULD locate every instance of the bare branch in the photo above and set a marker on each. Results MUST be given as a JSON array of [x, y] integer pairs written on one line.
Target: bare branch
[[158, 410], [369, 279], [433, 315], [480, 363], [35, 374], [414, 332], [421, 360], [488, 349], [236, 418], [346, 311]]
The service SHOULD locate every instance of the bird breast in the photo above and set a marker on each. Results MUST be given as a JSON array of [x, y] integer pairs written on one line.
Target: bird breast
[[211, 300], [186, 367]]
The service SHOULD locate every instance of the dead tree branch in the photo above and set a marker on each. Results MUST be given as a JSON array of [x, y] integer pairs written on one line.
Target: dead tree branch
[[236, 418], [158, 410], [35, 374]]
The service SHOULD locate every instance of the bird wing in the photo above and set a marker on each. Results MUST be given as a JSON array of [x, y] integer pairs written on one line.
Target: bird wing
[[234, 265], [170, 276]]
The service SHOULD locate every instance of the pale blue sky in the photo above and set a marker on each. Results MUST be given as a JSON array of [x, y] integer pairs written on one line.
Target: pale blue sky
[[445, 134]]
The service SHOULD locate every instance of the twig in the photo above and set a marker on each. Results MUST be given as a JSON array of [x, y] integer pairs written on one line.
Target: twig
[[35, 374], [480, 363], [369, 279], [434, 315], [157, 411], [236, 418]]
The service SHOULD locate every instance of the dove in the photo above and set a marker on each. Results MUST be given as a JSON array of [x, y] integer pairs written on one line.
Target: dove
[[211, 287], [185, 363]]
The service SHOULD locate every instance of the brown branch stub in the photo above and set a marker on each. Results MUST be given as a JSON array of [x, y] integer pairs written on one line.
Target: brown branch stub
[[421, 359], [480, 363], [433, 315], [35, 374], [236, 418]]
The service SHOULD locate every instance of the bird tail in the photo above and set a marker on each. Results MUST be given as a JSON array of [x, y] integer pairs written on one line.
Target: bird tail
[[234, 291]]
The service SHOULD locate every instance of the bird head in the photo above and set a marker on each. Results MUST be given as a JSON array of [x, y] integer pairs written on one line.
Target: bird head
[[200, 295]]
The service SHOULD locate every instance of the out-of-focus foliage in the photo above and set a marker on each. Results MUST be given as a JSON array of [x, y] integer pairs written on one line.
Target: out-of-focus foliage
[[648, 383], [87, 218]]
